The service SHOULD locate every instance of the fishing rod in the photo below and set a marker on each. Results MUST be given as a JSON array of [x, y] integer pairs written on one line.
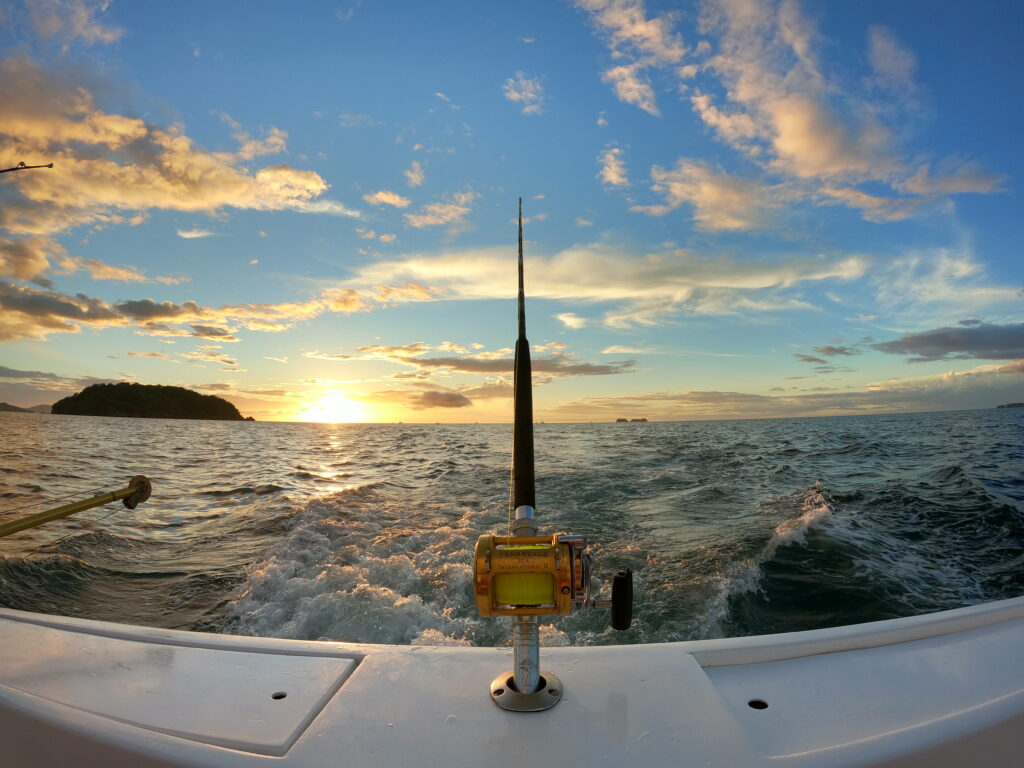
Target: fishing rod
[[525, 576], [22, 167]]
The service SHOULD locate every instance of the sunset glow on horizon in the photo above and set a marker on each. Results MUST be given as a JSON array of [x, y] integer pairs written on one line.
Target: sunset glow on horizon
[[733, 208]]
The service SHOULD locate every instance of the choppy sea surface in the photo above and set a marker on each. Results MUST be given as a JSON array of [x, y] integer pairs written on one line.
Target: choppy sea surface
[[365, 532]]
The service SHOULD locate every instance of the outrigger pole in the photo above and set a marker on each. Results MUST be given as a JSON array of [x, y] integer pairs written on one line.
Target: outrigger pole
[[138, 491], [524, 576], [22, 167]]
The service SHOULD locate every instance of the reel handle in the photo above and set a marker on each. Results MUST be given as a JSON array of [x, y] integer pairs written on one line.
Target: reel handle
[[622, 600]]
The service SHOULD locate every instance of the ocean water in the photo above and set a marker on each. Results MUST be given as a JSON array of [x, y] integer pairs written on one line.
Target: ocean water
[[365, 532]]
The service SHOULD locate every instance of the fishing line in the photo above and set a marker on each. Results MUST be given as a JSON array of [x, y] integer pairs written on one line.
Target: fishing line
[[84, 523]]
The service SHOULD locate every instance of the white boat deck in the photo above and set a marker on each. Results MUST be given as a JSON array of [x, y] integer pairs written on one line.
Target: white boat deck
[[945, 689]]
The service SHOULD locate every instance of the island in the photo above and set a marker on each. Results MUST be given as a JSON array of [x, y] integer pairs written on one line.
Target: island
[[1011, 405], [8, 408], [621, 420], [147, 401]]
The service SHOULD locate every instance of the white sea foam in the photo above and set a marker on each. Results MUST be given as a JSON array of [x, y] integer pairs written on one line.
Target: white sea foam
[[353, 568], [815, 510]]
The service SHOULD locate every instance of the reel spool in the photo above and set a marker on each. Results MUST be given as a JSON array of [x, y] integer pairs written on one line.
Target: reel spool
[[543, 576]]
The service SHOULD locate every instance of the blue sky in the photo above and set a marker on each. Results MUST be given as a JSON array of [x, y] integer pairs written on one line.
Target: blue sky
[[734, 209]]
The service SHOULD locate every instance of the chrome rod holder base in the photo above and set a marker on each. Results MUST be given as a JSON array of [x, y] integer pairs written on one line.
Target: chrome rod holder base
[[504, 694]]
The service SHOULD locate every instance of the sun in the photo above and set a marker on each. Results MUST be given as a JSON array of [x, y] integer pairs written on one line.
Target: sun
[[333, 408]]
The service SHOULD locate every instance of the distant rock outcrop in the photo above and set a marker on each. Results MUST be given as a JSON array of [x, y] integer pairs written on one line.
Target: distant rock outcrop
[[1011, 405], [148, 401], [8, 408]]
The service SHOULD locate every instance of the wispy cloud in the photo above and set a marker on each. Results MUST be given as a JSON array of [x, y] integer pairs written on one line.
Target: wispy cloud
[[720, 201], [525, 91], [414, 175], [558, 363], [613, 168], [928, 286], [30, 313], [451, 211], [620, 350], [784, 110], [649, 287], [974, 388], [642, 43], [387, 197], [632, 86], [571, 320], [73, 21], [356, 120], [156, 355], [195, 234]]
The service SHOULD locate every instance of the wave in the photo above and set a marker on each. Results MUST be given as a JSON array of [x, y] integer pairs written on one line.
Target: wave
[[745, 574]]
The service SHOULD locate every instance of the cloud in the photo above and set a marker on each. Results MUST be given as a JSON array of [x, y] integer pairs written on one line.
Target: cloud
[[893, 64], [193, 234], [499, 388], [640, 41], [14, 373], [872, 207], [156, 355], [558, 363], [632, 87], [983, 341], [977, 388], [526, 91], [579, 221], [274, 142], [810, 359], [209, 353], [414, 175], [625, 25], [453, 212], [955, 178], [109, 168], [720, 201], [72, 20], [613, 169], [386, 197], [30, 313], [619, 350], [356, 120], [652, 285], [28, 258], [780, 108], [438, 399], [927, 286], [830, 351], [571, 320], [214, 332]]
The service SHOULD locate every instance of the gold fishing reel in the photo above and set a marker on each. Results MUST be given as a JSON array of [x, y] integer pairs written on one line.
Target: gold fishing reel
[[543, 576]]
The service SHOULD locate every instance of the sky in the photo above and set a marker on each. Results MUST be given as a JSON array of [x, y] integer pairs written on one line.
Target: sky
[[733, 208]]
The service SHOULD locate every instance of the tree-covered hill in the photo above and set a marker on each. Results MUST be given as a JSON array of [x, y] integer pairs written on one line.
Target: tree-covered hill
[[150, 401]]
